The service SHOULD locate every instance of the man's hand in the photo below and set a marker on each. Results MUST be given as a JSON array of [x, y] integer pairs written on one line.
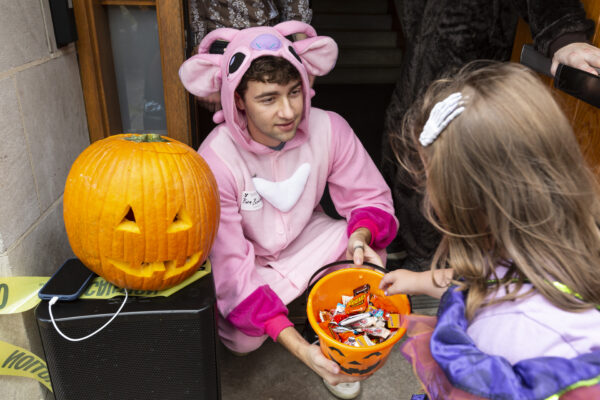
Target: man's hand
[[311, 355], [577, 55], [359, 250], [325, 367]]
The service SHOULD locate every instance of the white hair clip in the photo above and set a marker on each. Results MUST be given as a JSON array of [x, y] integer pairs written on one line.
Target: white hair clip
[[440, 116]]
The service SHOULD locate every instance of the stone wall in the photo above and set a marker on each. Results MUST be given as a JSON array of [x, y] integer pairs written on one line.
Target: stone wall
[[42, 130]]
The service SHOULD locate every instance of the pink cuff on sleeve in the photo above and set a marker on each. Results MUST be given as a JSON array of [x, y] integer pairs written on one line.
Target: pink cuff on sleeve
[[253, 314], [275, 325], [381, 224]]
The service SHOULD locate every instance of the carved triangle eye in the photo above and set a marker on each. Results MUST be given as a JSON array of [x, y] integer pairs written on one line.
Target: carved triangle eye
[[181, 222], [128, 223]]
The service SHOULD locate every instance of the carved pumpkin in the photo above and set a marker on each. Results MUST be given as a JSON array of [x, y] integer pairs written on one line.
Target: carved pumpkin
[[326, 293], [141, 211]]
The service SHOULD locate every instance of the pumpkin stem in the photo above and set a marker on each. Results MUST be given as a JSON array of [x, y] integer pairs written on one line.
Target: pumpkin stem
[[146, 137]]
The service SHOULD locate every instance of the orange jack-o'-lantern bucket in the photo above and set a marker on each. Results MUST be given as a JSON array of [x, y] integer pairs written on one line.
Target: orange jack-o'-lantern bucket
[[327, 292]]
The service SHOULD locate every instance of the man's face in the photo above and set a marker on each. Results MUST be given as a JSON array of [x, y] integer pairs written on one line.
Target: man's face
[[273, 111]]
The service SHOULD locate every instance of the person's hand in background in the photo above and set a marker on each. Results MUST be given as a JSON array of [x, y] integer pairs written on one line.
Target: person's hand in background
[[212, 102], [579, 55]]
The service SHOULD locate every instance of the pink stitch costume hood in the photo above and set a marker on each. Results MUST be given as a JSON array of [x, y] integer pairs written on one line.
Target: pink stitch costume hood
[[205, 73]]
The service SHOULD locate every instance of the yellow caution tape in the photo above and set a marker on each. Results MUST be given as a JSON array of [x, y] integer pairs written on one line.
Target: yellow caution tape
[[19, 293], [17, 361], [101, 289]]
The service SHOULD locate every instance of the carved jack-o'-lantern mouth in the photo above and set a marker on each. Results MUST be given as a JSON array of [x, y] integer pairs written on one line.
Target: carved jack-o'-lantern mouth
[[355, 371], [147, 269]]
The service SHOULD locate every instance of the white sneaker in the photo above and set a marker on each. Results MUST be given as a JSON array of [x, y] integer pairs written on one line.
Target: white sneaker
[[346, 390]]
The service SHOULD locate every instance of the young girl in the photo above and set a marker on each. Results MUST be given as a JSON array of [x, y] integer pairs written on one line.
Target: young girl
[[519, 262]]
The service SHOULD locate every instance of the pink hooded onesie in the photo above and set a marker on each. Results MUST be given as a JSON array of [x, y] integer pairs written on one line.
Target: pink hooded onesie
[[272, 234]]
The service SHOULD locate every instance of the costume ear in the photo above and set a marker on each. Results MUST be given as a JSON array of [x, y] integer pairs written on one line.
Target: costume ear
[[201, 74], [318, 54], [223, 34], [290, 27]]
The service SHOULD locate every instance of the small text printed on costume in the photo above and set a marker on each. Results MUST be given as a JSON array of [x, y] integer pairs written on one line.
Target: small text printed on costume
[[251, 201]]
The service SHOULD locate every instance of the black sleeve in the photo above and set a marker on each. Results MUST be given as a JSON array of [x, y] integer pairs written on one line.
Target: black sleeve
[[555, 23]]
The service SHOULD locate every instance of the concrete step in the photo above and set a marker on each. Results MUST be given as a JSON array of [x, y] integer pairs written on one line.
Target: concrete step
[[360, 76], [370, 39], [350, 6], [388, 57], [352, 22], [423, 302]]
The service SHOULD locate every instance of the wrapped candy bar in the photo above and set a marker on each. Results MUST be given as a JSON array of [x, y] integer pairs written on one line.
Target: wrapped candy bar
[[354, 318], [337, 318], [344, 336], [366, 288], [393, 321], [383, 304], [325, 316], [379, 332], [364, 341], [341, 329], [365, 322], [358, 304]]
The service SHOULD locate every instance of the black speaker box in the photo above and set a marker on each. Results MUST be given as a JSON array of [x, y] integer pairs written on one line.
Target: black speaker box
[[156, 348]]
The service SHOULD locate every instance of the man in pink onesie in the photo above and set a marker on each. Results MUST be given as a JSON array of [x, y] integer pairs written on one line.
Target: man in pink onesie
[[272, 155]]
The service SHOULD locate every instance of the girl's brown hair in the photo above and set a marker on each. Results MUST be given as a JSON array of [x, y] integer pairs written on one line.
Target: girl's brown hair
[[506, 180]]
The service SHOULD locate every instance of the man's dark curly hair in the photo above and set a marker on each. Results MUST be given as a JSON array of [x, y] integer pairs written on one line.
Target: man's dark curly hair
[[268, 69]]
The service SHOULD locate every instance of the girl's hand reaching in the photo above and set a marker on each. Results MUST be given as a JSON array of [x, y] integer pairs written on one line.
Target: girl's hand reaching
[[411, 283], [401, 281]]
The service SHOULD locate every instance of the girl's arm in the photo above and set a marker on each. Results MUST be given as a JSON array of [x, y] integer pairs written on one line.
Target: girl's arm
[[410, 282]]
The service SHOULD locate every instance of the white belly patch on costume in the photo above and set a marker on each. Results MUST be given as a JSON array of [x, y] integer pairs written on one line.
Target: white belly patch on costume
[[285, 194]]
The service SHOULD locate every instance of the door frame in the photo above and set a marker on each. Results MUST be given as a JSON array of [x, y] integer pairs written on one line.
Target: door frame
[[97, 68]]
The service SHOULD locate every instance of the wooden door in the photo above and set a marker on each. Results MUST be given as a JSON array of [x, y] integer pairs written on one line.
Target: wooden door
[[585, 118], [97, 65]]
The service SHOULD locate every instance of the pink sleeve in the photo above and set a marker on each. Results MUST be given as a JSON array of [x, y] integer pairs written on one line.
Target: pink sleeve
[[261, 312], [357, 188]]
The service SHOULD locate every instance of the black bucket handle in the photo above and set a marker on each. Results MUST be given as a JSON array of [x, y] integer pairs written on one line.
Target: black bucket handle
[[333, 264]]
